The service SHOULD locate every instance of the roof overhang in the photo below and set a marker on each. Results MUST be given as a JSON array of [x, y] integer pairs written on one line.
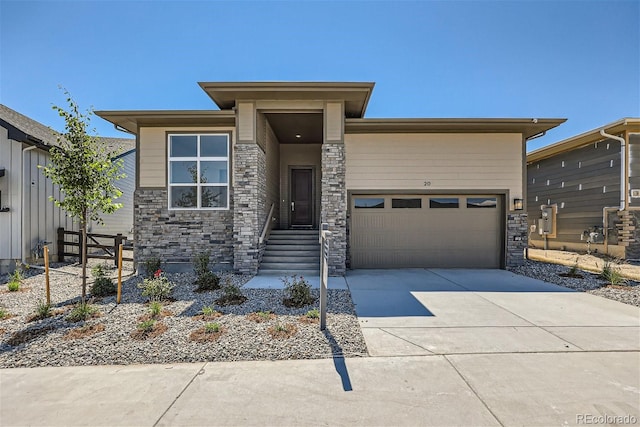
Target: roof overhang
[[132, 120], [527, 127], [355, 95], [615, 128]]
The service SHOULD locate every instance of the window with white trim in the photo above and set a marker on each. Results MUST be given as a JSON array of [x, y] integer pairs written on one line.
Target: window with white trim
[[198, 171]]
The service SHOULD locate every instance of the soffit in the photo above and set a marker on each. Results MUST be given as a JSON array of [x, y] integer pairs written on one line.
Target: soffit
[[615, 128], [287, 125], [131, 120], [527, 127], [355, 95]]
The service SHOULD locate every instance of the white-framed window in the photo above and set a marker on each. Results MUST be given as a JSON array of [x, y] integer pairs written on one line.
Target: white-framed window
[[198, 171]]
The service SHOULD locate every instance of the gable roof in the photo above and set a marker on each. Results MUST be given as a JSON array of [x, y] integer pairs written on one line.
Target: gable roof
[[631, 124], [25, 129]]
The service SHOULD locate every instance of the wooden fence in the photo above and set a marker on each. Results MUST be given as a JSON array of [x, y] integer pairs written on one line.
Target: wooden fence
[[107, 245]]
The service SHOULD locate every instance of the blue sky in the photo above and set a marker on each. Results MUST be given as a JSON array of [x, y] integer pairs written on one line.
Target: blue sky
[[578, 60]]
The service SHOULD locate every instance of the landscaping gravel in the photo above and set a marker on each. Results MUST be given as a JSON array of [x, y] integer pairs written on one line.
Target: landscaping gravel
[[628, 293], [243, 339]]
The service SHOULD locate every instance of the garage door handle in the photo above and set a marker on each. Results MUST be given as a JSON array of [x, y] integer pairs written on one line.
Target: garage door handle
[[293, 206]]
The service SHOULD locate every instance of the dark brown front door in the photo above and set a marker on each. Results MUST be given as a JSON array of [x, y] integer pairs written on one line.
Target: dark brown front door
[[301, 197]]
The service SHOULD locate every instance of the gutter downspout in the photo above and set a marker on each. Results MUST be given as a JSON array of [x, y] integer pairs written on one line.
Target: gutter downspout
[[623, 168], [22, 214]]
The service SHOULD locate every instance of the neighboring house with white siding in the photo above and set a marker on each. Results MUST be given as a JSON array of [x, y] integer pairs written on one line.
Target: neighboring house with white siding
[[290, 156], [27, 216]]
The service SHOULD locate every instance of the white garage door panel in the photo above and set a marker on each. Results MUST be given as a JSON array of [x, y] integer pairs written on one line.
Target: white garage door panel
[[460, 237]]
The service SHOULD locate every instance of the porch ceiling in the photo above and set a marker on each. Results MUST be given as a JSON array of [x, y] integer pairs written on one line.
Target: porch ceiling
[[287, 125]]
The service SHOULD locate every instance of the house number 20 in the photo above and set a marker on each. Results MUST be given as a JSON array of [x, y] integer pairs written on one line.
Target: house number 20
[[427, 183]]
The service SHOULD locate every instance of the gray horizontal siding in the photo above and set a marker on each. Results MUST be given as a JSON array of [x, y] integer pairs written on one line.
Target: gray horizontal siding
[[594, 167]]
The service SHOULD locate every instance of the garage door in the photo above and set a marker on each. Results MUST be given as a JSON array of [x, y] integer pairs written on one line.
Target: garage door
[[447, 231]]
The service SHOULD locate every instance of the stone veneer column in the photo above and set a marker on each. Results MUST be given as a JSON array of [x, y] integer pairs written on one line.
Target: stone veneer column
[[334, 190], [516, 229], [633, 250]]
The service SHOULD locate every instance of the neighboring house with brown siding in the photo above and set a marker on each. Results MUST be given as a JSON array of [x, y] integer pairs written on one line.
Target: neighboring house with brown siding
[[289, 156], [590, 184], [27, 216]]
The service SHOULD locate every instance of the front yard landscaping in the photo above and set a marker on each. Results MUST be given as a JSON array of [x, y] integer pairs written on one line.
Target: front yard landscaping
[[191, 325]]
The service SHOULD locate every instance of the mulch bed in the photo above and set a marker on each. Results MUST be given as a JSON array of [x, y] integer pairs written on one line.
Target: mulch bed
[[83, 332], [158, 329], [202, 335], [283, 331]]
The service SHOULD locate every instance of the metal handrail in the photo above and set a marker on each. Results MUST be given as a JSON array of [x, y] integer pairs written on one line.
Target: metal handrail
[[266, 229]]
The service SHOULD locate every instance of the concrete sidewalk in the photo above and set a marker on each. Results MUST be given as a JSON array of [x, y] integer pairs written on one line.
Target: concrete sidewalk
[[540, 389], [452, 347]]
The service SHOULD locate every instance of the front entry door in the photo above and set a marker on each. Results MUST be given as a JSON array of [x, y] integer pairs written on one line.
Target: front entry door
[[302, 197]]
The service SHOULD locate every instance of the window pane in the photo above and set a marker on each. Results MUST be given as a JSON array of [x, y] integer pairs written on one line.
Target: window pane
[[213, 146], [482, 202], [184, 146], [369, 203], [406, 203], [213, 172], [443, 202], [184, 197], [183, 172], [214, 197]]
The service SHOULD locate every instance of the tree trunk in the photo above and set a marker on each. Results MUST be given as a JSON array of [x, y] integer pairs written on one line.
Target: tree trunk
[[83, 226]]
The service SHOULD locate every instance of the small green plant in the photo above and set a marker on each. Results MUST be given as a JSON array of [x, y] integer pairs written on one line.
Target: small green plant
[[13, 285], [207, 310], [210, 328], [266, 315], [43, 310], [205, 279], [3, 313], [147, 325], [102, 285], [81, 312], [313, 314], [280, 327], [297, 292], [573, 271], [151, 265], [231, 294], [157, 288], [606, 270], [155, 308]]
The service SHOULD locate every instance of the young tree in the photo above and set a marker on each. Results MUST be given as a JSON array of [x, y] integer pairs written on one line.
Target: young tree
[[85, 171]]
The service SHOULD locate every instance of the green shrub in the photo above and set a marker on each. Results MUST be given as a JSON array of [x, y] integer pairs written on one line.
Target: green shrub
[[297, 292], [3, 313], [207, 310], [157, 288], [231, 294], [211, 327], [102, 285], [81, 312], [13, 285], [147, 325], [155, 308], [151, 265], [205, 279], [606, 270], [313, 314], [43, 310]]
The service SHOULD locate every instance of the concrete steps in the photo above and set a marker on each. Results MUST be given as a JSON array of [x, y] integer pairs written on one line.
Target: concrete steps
[[291, 252]]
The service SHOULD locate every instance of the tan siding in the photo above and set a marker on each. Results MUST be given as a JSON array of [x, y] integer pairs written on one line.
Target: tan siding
[[298, 155], [153, 152], [334, 121], [443, 161], [246, 121]]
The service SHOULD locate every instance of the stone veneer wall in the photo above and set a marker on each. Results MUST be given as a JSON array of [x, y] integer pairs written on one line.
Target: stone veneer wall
[[176, 237], [633, 250], [249, 191], [334, 204], [516, 228]]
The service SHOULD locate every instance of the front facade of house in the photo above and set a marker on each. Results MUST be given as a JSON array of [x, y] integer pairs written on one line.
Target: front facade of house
[[590, 185], [290, 156]]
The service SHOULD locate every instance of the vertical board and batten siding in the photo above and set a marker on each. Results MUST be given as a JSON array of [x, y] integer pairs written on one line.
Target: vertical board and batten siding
[[298, 155], [585, 174], [634, 166], [21, 231], [121, 221], [432, 162], [10, 186], [153, 152]]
